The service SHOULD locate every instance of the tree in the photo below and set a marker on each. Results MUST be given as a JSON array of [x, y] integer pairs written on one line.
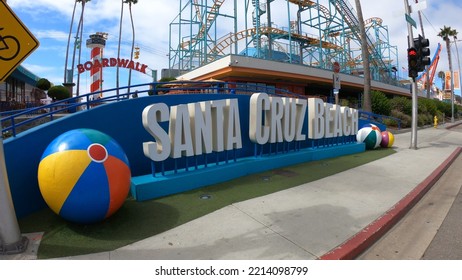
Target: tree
[[58, 93], [118, 47], [43, 84], [78, 39], [365, 56], [445, 33]]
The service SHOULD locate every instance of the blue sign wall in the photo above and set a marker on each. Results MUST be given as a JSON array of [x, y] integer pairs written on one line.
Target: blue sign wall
[[123, 122]]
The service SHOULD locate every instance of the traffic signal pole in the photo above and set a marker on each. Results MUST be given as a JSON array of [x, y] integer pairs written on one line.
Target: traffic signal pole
[[413, 84]]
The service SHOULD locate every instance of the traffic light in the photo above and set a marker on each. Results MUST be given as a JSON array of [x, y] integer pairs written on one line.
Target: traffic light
[[137, 52], [413, 62], [421, 45]]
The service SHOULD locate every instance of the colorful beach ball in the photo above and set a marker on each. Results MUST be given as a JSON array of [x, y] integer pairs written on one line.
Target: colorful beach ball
[[387, 139], [369, 135], [84, 176], [373, 126]]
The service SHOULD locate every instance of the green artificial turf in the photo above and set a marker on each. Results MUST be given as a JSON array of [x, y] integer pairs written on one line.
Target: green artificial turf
[[135, 221]]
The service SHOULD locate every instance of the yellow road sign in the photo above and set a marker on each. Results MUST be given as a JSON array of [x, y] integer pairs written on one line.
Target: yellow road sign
[[16, 41]]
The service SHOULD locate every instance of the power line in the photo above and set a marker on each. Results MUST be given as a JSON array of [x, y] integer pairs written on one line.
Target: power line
[[425, 16]]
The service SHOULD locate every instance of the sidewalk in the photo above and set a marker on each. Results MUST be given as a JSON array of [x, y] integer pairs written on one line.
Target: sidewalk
[[332, 218], [311, 220]]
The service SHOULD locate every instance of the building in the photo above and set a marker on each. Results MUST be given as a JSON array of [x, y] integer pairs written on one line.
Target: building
[[19, 91]]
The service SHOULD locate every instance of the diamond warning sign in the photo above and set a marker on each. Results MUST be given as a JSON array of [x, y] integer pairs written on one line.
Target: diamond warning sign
[[16, 41]]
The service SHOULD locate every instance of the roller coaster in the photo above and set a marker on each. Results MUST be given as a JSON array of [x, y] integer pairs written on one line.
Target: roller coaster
[[313, 33]]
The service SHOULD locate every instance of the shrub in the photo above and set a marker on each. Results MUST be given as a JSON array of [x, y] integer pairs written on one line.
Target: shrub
[[390, 122], [43, 84], [402, 104], [380, 103], [424, 119], [445, 108], [405, 119], [58, 93], [428, 106]]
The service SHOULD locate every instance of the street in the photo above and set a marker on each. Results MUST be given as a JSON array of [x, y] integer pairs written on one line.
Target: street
[[432, 230]]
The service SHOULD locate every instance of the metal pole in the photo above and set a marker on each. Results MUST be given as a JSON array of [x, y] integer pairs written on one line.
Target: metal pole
[[458, 62], [452, 82], [413, 85], [11, 241]]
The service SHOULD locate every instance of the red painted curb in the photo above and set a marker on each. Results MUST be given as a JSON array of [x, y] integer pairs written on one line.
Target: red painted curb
[[353, 247]]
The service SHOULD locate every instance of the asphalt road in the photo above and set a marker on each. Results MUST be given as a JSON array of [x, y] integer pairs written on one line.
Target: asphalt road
[[432, 230]]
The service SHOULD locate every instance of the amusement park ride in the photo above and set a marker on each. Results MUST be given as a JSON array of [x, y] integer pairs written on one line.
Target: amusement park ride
[[313, 33]]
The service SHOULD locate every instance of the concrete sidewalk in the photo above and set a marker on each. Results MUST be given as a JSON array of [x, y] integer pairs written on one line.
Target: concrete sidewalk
[[320, 219]]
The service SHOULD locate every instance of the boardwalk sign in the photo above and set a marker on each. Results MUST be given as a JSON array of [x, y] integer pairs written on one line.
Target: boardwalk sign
[[112, 62]]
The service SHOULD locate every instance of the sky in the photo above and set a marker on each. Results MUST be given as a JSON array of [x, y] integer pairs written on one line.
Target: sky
[[49, 21]]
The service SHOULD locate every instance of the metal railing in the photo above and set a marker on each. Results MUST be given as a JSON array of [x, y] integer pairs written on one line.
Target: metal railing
[[13, 122], [378, 118]]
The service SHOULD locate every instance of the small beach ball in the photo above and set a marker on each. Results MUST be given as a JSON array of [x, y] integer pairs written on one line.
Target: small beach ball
[[369, 135], [84, 176], [387, 139]]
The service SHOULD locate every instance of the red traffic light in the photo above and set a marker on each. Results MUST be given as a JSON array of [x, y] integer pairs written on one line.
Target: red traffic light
[[413, 62], [412, 52]]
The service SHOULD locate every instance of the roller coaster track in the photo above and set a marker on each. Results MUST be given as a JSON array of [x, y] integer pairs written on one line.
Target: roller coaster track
[[226, 41], [308, 3], [431, 70], [205, 27], [344, 8]]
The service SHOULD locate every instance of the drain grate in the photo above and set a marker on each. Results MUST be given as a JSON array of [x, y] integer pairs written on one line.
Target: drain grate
[[205, 196]]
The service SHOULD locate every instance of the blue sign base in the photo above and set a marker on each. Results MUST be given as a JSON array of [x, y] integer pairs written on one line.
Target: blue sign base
[[149, 187]]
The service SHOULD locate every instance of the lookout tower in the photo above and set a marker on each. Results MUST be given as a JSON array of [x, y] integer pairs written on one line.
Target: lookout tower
[[96, 43]]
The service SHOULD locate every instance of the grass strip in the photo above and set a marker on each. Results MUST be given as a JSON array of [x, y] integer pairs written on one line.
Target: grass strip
[[138, 220]]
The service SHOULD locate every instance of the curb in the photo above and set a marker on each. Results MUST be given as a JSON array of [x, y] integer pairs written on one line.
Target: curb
[[353, 247]]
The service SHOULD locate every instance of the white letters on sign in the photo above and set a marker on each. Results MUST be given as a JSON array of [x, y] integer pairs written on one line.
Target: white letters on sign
[[276, 119], [215, 126], [152, 116], [193, 129], [327, 120]]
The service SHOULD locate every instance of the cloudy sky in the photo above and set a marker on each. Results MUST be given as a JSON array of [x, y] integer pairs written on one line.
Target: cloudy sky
[[49, 21]]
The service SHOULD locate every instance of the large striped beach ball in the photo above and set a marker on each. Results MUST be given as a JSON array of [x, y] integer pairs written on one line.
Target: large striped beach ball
[[84, 176], [369, 135]]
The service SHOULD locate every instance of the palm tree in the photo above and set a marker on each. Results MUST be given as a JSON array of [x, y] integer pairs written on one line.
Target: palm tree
[[118, 48], [365, 55], [130, 2], [69, 41], [79, 43], [78, 40], [69, 37], [442, 75], [445, 33]]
